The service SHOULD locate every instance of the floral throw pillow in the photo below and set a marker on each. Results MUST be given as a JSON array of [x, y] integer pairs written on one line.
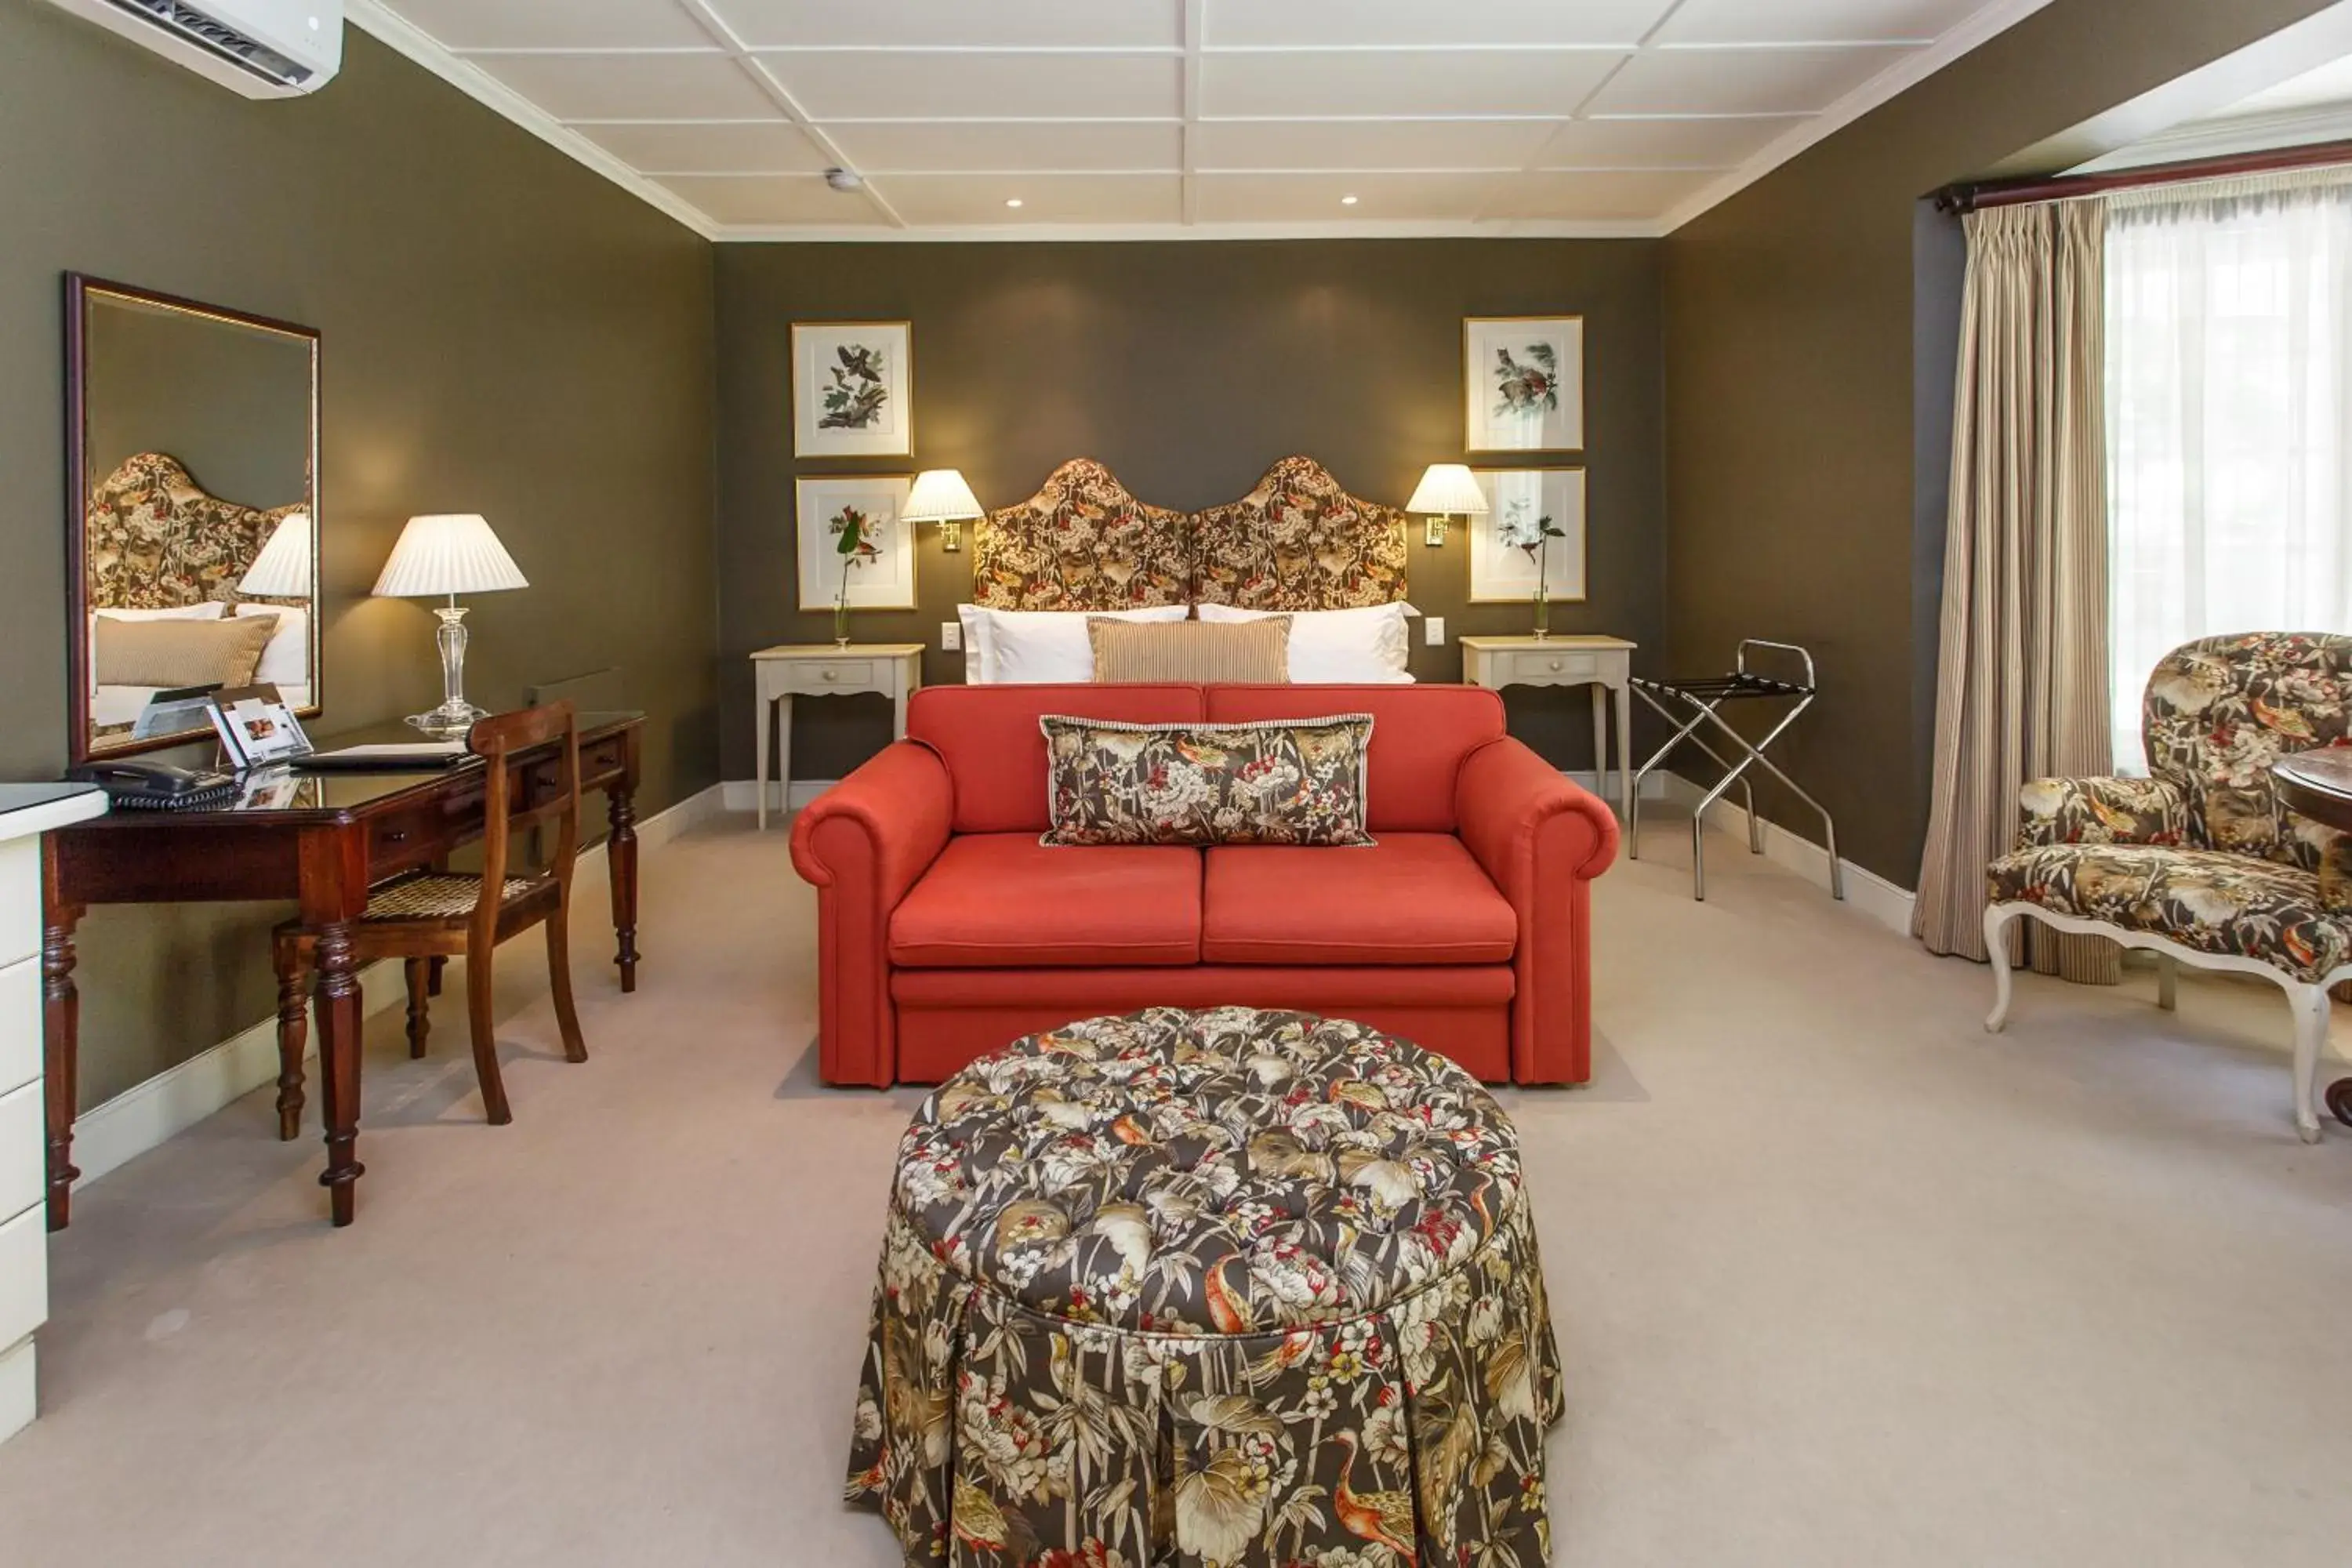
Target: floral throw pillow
[[1287, 781]]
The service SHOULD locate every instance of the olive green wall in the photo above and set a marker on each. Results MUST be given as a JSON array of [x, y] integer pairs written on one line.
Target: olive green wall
[[231, 402], [1791, 414], [1188, 368], [505, 332]]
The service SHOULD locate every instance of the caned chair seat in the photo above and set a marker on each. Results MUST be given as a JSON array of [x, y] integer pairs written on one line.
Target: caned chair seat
[[440, 895]]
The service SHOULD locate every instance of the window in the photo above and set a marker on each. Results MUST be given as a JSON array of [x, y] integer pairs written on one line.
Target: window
[[2229, 364]]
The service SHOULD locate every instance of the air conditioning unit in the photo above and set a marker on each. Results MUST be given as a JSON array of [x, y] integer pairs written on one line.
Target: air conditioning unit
[[262, 49]]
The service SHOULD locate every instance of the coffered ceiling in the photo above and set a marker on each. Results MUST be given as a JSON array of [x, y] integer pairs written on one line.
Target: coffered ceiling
[[1109, 119]]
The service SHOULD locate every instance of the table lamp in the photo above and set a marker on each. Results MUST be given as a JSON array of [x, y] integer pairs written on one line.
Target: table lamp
[[941, 496], [282, 570], [449, 554], [1445, 489]]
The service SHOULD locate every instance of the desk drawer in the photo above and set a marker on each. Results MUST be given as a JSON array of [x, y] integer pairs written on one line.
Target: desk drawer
[[24, 1276], [20, 1023], [401, 839], [24, 1149], [20, 898], [831, 675]]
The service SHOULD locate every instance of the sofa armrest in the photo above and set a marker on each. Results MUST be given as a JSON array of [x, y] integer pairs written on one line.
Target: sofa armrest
[[1542, 839], [863, 843], [2101, 811]]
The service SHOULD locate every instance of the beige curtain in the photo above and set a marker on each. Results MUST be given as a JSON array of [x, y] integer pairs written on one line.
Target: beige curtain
[[2023, 693]]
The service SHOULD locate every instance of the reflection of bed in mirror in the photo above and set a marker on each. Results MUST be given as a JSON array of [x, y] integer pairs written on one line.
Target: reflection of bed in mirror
[[177, 592]]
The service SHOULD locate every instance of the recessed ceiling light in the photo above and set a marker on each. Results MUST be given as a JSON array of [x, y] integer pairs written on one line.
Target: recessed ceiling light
[[1013, 201], [1347, 201]]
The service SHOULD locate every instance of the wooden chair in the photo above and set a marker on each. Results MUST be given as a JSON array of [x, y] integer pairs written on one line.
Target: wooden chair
[[426, 917]]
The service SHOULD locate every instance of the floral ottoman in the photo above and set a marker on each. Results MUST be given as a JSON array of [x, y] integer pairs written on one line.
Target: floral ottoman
[[1214, 1287]]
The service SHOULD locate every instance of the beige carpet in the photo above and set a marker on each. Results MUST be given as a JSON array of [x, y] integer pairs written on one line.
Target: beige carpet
[[1840, 1279]]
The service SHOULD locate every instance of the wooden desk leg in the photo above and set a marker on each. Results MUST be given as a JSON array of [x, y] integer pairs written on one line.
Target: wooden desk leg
[[61, 1046], [339, 1015], [293, 1037], [620, 854]]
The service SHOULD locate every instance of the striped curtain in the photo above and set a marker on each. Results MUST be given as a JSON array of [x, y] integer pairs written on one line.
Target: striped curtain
[[2022, 688]]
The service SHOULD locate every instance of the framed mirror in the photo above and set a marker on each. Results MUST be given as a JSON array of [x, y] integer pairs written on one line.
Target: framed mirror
[[192, 458]]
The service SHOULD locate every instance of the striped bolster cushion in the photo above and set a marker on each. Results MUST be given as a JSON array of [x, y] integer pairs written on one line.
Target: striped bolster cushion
[[1192, 651]]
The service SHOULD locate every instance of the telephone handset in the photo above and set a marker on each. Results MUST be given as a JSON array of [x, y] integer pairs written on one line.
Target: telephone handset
[[157, 786]]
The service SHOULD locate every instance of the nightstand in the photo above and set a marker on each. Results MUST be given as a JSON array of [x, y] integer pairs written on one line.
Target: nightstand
[[894, 670], [1605, 664]]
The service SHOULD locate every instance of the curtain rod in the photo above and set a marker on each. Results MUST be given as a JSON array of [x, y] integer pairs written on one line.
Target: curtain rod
[[1967, 197]]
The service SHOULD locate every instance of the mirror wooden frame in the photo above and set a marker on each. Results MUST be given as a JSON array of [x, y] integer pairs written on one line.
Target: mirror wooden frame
[[80, 290]]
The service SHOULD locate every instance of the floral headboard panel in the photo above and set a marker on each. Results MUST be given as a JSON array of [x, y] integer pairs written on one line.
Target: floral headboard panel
[[154, 541], [1081, 542], [1298, 542]]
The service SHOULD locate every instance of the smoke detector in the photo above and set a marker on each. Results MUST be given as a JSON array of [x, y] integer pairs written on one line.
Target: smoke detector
[[844, 180]]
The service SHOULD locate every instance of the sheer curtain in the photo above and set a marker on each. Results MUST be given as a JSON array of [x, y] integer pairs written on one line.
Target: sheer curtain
[[2229, 383]]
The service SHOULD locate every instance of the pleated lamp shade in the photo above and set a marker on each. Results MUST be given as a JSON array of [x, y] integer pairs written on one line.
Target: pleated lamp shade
[[282, 570], [940, 494], [449, 552], [1448, 489]]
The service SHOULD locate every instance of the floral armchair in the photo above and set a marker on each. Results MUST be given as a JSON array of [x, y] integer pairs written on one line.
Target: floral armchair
[[2200, 861]]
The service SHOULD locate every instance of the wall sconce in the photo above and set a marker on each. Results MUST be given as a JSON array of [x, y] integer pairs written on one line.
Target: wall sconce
[[941, 496], [1445, 489]]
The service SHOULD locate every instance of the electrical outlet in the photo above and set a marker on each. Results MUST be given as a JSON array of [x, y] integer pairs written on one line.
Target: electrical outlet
[[1433, 630], [952, 635]]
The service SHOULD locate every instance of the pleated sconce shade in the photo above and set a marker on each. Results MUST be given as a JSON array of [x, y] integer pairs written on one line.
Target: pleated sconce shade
[[450, 552], [1448, 489]]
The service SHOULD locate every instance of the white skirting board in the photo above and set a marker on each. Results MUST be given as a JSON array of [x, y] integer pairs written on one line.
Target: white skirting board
[[142, 1115], [1866, 890], [743, 795]]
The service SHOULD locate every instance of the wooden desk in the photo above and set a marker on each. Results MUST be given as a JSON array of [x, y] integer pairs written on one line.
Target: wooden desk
[[2318, 783], [333, 836]]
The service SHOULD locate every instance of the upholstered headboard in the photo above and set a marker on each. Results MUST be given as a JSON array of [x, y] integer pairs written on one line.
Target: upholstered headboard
[[155, 541], [1298, 542], [1081, 542]]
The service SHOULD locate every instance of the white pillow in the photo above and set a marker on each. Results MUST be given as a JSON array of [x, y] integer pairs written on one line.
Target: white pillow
[[286, 661], [1031, 648], [1338, 647]]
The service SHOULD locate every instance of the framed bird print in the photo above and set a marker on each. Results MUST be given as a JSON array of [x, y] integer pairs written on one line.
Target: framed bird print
[[856, 549], [1522, 383], [853, 389]]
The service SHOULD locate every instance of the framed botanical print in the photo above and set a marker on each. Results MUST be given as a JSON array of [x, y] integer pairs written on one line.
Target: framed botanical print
[[878, 574], [853, 389], [1522, 383], [1533, 531]]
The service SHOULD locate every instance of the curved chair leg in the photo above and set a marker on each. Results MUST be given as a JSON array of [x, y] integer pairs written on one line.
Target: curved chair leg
[[1996, 939], [2167, 981], [478, 971], [418, 972], [2309, 1004], [293, 1033], [559, 981]]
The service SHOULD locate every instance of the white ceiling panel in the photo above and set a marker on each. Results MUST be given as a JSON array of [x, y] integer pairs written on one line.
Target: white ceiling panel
[[1394, 84], [1814, 21], [537, 24], [1367, 144], [633, 86], [767, 200], [1318, 198], [1547, 116], [1740, 81], [1292, 24], [979, 199], [1719, 143], [1010, 145], [884, 85], [1595, 195], [958, 24], [765, 147]]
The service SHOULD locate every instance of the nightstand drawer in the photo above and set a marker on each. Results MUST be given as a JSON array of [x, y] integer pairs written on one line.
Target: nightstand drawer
[[20, 1023], [831, 675], [24, 1278], [24, 1149], [1538, 669]]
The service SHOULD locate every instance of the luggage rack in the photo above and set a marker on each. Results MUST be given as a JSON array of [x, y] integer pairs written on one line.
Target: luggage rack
[[1691, 704]]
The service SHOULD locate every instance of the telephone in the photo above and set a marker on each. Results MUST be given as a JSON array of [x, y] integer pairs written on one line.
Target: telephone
[[157, 786]]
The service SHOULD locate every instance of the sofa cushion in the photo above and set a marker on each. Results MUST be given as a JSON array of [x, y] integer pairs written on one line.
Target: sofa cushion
[[1420, 737], [1412, 898], [988, 736], [1002, 900]]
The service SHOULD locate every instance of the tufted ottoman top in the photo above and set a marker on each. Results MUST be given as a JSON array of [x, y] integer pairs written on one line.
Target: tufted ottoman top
[[1227, 1172]]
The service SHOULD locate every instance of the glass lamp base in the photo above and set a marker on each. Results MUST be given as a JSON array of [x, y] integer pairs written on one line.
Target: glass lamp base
[[450, 721]]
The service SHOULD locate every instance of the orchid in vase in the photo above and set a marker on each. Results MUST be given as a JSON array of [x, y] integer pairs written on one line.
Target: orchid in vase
[[1521, 527], [854, 541]]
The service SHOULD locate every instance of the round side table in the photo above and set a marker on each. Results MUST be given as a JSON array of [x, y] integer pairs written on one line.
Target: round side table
[[2318, 783]]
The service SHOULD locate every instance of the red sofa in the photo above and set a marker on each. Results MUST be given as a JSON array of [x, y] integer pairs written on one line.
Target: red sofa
[[946, 930]]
